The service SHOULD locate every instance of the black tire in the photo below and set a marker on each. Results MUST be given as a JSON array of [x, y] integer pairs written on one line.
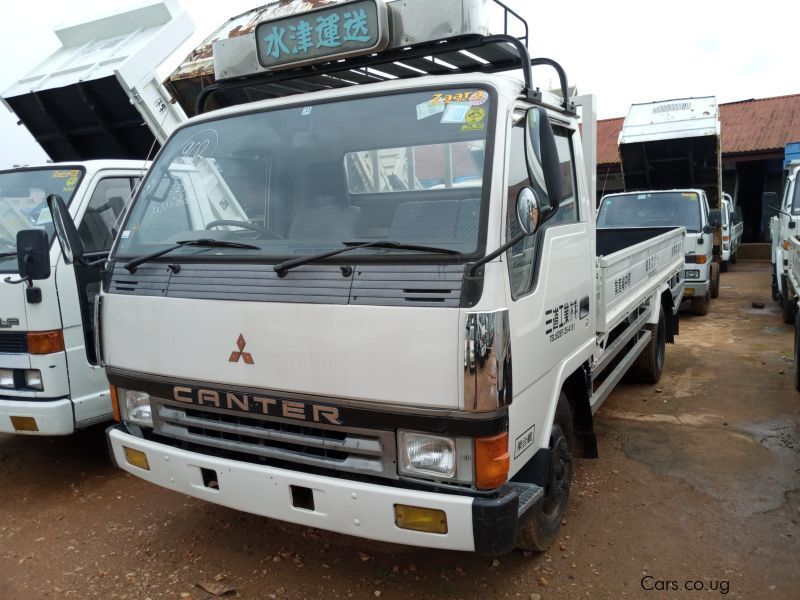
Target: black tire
[[787, 310], [650, 363], [723, 266], [797, 352], [734, 260], [715, 280], [775, 292], [540, 532], [700, 305]]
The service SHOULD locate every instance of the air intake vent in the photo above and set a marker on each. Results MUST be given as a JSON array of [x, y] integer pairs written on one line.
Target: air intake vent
[[13, 343], [407, 285], [675, 106]]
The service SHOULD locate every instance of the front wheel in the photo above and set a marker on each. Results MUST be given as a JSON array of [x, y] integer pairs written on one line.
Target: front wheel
[[787, 310], [715, 280], [700, 305], [541, 531], [650, 363]]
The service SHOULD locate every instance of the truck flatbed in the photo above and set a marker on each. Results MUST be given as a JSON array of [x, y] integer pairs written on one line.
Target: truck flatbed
[[632, 264]]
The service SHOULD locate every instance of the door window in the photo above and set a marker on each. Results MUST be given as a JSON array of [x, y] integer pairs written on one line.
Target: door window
[[105, 207]]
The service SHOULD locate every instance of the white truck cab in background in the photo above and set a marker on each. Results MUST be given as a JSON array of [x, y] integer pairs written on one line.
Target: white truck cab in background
[[732, 230], [50, 379], [660, 208], [784, 226], [98, 97]]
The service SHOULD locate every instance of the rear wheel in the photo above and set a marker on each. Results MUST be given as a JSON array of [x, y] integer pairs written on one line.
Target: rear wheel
[[541, 531], [787, 309], [650, 363], [715, 280], [734, 260], [775, 292], [700, 305]]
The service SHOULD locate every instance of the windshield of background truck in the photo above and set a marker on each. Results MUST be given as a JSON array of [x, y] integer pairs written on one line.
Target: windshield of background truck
[[663, 209], [296, 181], [796, 199], [23, 204]]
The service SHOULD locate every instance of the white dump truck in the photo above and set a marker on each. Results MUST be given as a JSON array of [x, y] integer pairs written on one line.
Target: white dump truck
[[676, 145], [407, 335], [784, 226], [97, 97]]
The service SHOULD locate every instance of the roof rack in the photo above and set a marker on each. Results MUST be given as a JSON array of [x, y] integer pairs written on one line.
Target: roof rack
[[415, 48]]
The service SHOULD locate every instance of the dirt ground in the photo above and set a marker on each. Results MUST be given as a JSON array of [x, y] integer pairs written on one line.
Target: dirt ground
[[697, 486]]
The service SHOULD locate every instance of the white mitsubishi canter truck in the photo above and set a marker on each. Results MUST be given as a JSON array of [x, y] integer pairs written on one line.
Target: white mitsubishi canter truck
[[407, 334]]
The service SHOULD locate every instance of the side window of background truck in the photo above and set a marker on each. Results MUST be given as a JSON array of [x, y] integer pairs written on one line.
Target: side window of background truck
[[105, 207]]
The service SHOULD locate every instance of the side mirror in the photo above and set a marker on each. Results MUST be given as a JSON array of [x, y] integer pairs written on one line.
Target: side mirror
[[769, 199], [715, 218], [708, 230], [543, 164], [33, 254], [528, 210], [791, 224], [67, 233]]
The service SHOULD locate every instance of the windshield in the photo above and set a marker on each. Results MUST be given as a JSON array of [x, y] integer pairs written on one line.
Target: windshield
[[796, 200], [659, 209], [23, 203], [298, 181]]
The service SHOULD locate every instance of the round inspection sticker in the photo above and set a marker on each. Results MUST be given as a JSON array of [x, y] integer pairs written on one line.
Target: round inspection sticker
[[473, 120]]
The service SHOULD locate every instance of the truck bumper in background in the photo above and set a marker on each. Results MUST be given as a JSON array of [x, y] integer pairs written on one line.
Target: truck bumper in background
[[694, 288], [367, 510], [50, 417]]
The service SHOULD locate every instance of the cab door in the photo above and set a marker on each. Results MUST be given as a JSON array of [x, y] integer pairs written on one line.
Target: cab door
[[107, 196], [551, 282]]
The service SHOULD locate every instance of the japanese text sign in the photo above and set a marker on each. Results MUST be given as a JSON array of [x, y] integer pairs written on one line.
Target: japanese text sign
[[343, 30]]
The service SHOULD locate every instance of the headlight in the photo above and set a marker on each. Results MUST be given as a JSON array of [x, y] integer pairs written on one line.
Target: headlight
[[692, 274], [137, 407], [7, 378], [435, 457], [33, 379]]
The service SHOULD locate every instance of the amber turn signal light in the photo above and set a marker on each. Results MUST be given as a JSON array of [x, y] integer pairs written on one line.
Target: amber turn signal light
[[492, 461], [115, 403], [45, 342]]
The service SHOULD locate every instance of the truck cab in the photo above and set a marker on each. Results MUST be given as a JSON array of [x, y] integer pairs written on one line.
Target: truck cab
[[405, 333], [783, 227], [732, 229], [51, 382], [685, 208]]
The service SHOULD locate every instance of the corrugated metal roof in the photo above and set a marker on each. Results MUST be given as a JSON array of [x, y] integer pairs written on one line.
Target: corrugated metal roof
[[763, 125]]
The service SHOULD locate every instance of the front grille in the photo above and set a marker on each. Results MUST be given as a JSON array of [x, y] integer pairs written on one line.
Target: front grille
[[368, 452], [13, 343]]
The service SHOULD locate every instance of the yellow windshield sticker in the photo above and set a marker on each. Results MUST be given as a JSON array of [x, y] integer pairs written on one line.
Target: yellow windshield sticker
[[473, 97], [474, 119], [71, 177]]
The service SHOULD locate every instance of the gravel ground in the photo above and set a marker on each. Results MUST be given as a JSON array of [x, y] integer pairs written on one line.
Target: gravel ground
[[697, 482]]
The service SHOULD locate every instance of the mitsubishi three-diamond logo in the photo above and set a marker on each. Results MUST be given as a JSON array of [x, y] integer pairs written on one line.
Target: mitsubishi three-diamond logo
[[241, 354]]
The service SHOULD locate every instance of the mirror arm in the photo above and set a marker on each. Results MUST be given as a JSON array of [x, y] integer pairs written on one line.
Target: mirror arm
[[549, 213], [27, 280]]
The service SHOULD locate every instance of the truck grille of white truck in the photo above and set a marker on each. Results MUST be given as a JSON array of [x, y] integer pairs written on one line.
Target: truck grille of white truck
[[366, 452], [13, 343]]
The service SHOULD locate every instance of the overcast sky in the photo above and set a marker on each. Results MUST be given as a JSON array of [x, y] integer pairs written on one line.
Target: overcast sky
[[621, 50]]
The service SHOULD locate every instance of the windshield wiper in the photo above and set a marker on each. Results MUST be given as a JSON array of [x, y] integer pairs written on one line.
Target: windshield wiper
[[7, 254], [282, 268], [132, 265]]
